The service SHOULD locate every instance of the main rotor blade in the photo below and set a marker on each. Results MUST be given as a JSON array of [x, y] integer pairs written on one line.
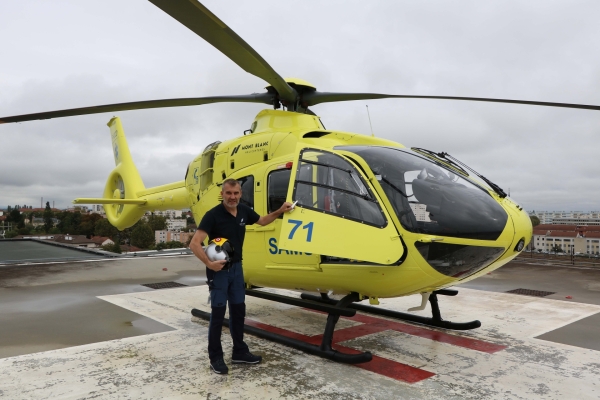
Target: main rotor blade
[[311, 99], [264, 98], [205, 24]]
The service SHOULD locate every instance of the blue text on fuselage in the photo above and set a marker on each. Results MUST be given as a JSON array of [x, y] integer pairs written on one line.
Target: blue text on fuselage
[[275, 250]]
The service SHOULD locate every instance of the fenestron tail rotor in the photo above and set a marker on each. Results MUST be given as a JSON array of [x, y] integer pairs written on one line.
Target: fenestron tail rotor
[[121, 188]]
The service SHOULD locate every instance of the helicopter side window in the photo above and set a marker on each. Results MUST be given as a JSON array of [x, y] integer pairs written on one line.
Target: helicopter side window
[[206, 165], [247, 184], [277, 182], [326, 182]]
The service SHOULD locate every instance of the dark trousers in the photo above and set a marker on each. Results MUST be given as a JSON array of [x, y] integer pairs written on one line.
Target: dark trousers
[[227, 286]]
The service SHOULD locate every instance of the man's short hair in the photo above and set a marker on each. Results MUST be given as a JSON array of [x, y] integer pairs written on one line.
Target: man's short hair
[[231, 182]]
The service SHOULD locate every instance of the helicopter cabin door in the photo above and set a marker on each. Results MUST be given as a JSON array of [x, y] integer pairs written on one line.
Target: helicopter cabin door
[[337, 214]]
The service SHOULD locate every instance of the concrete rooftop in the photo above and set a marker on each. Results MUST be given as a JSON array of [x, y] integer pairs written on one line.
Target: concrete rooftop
[[81, 330]]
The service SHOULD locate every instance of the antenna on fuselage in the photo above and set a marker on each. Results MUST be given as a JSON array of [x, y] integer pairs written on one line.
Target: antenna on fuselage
[[371, 125]]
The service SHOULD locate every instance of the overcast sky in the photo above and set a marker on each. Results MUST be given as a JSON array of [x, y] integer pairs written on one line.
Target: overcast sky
[[67, 54]]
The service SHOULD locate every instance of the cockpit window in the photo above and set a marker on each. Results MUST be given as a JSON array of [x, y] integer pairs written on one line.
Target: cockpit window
[[430, 199], [328, 183]]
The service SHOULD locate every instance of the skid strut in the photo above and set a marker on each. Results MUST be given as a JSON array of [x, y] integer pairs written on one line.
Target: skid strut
[[436, 319], [325, 350]]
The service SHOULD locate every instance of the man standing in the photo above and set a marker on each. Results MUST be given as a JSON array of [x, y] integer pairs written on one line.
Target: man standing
[[228, 220]]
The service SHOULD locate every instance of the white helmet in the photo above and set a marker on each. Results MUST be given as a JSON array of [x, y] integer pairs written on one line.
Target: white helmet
[[220, 249]]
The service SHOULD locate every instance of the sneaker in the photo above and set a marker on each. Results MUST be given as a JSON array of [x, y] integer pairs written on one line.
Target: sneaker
[[247, 358], [219, 366]]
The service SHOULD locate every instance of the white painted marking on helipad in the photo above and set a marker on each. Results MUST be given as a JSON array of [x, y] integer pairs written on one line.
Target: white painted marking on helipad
[[174, 364]]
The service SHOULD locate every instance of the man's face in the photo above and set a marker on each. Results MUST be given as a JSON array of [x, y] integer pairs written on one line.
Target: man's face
[[231, 195]]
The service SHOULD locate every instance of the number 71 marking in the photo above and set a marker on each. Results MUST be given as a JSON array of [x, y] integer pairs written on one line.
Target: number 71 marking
[[297, 223]]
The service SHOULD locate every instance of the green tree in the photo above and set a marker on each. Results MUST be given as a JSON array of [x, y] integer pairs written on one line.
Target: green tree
[[157, 222], [535, 221], [66, 219], [88, 224], [11, 234], [14, 216], [142, 235], [48, 215], [25, 230], [76, 222], [113, 248], [174, 244], [103, 228]]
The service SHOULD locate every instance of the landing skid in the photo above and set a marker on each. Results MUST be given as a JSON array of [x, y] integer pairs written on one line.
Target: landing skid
[[323, 350], [435, 321]]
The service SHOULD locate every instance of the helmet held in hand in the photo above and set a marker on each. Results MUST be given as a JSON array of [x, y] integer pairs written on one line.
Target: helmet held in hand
[[220, 249]]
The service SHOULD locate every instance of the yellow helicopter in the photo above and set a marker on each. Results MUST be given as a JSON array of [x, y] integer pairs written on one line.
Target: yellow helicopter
[[373, 219]]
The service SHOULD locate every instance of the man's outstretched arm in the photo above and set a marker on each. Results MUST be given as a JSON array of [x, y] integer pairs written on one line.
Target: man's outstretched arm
[[267, 219]]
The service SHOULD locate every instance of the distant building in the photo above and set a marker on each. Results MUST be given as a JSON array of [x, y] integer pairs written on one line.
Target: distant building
[[78, 208], [125, 248], [567, 217], [102, 241], [40, 221], [176, 224], [38, 210], [580, 239], [167, 213], [169, 236], [97, 209], [72, 240], [421, 214]]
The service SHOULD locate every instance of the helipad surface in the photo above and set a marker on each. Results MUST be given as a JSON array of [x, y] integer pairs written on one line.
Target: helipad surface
[[500, 360]]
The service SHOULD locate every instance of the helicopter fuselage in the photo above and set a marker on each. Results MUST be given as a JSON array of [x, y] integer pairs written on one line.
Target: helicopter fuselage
[[372, 216]]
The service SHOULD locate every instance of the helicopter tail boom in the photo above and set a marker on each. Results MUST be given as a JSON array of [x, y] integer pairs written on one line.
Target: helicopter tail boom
[[125, 197]]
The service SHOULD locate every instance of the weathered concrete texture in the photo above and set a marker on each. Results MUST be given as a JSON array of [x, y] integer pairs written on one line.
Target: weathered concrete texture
[[52, 306], [582, 284], [174, 364], [583, 333]]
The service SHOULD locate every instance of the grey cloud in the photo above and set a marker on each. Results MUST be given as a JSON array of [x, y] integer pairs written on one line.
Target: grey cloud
[[536, 50]]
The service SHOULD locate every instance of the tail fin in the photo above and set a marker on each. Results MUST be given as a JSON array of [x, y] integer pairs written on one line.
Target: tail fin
[[124, 182], [125, 198]]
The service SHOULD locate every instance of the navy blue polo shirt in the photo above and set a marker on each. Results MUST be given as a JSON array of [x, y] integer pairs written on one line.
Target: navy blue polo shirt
[[218, 222]]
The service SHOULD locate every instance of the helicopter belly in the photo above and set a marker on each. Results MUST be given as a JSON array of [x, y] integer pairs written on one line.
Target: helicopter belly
[[341, 278]]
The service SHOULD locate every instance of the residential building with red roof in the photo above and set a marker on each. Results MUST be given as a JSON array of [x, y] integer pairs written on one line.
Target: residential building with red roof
[[578, 239]]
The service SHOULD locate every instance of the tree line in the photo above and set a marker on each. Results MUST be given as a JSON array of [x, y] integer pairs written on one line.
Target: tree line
[[75, 223]]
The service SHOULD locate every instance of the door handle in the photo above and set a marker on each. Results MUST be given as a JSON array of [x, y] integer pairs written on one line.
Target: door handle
[[430, 239], [261, 229]]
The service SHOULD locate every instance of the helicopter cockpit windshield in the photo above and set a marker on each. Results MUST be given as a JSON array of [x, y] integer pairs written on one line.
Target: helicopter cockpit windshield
[[429, 198]]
